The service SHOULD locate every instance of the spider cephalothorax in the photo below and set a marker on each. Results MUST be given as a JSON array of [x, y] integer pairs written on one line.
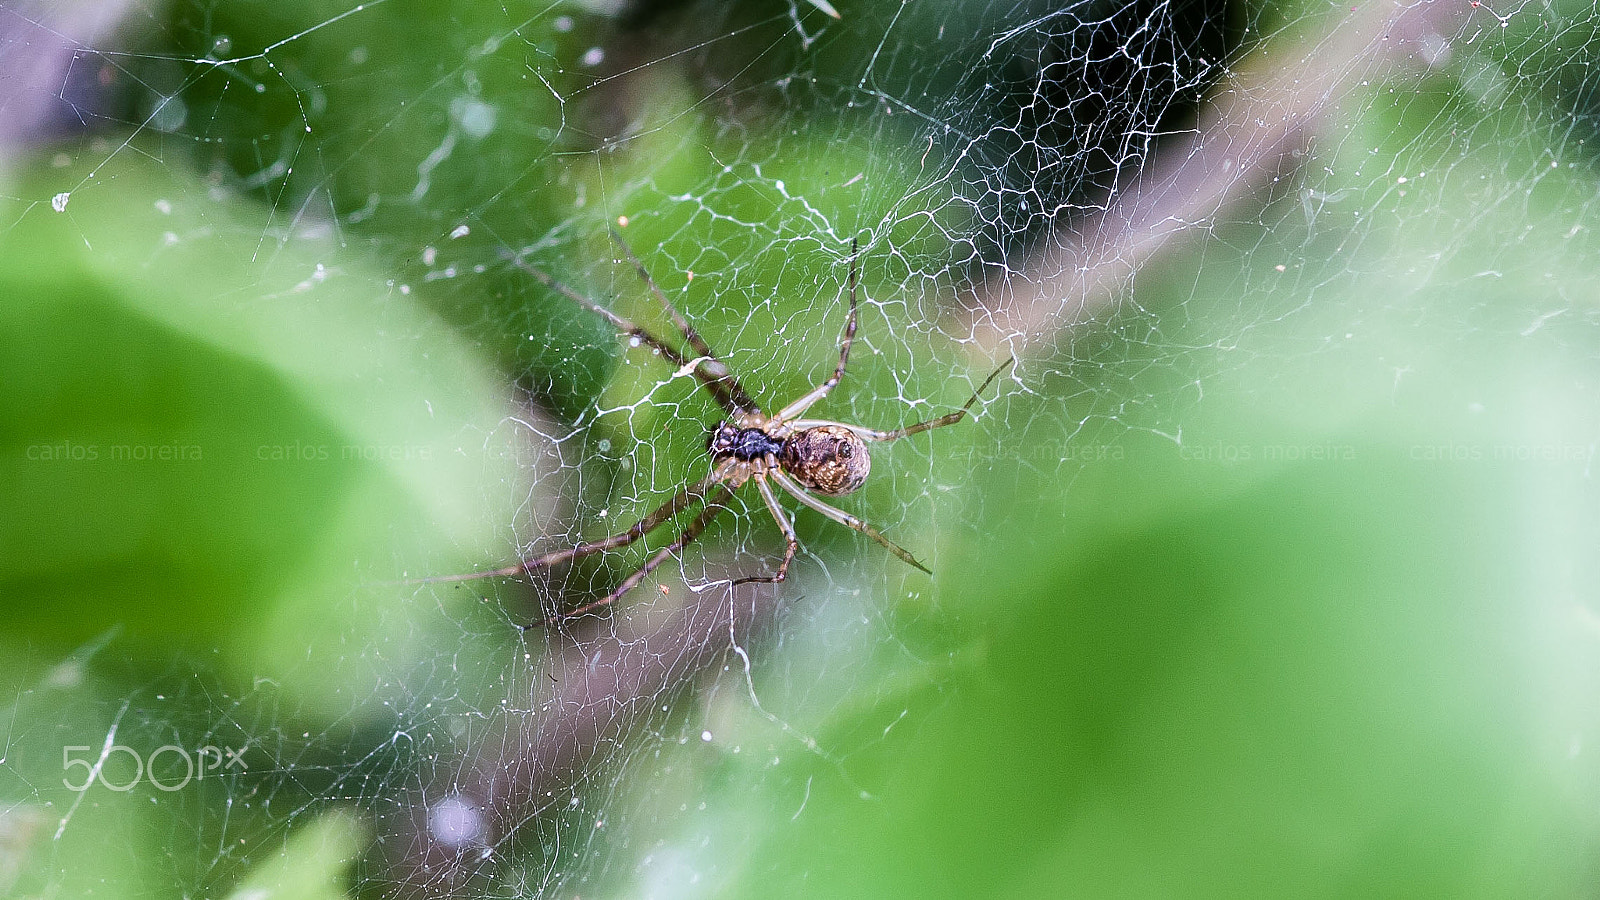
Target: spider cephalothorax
[[729, 441], [798, 455]]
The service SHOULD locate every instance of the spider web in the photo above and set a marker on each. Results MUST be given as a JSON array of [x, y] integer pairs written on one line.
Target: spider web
[[282, 356]]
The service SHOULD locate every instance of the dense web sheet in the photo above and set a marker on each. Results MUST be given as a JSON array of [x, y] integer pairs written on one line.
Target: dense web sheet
[[1149, 204]]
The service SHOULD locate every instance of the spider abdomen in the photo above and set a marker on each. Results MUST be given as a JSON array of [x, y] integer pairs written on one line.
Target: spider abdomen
[[829, 459]]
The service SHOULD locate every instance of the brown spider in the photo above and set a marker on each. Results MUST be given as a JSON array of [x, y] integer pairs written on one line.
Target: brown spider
[[796, 454]]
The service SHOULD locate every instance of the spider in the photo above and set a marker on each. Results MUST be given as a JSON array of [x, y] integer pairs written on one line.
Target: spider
[[797, 454]]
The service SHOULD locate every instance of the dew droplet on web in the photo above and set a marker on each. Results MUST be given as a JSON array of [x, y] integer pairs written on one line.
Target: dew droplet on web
[[455, 823], [476, 118]]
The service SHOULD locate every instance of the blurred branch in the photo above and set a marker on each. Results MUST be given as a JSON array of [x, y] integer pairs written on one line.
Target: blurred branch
[[1252, 135], [45, 85], [589, 692]]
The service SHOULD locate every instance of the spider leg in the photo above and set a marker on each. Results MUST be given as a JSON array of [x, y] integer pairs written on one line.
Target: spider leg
[[843, 518], [873, 434], [711, 372], [714, 366], [690, 532], [684, 499], [798, 407], [689, 334], [788, 535]]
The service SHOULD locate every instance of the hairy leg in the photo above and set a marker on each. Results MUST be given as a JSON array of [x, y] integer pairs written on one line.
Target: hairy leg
[[691, 531], [843, 518], [792, 543], [799, 407], [727, 392], [873, 434]]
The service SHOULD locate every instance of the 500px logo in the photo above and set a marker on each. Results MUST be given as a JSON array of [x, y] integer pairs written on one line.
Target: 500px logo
[[193, 766]]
